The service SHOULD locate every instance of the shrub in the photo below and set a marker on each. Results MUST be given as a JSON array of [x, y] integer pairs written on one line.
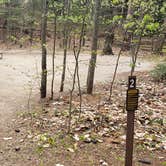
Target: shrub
[[159, 72]]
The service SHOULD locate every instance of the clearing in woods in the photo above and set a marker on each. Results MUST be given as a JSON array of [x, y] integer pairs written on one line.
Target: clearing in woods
[[20, 72]]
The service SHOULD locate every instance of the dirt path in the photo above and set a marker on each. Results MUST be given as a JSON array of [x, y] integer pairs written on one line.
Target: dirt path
[[20, 71]]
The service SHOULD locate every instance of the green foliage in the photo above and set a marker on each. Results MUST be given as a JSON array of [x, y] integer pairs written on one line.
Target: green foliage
[[116, 2], [152, 27], [147, 19], [117, 18], [26, 15], [130, 25], [159, 72], [163, 9]]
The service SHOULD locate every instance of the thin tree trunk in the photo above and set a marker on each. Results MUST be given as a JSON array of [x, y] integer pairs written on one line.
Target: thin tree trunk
[[92, 63], [129, 35], [53, 60], [84, 37], [76, 74], [8, 22], [43, 88], [65, 44], [64, 64], [136, 50], [32, 22]]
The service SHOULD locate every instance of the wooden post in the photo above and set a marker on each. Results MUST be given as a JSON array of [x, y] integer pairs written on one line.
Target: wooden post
[[131, 107]]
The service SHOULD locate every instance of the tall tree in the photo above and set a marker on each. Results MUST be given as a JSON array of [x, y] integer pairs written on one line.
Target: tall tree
[[65, 42], [43, 88], [107, 15], [129, 17], [53, 54], [92, 63]]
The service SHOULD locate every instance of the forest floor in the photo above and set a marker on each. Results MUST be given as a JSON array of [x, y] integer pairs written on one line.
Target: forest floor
[[36, 137]]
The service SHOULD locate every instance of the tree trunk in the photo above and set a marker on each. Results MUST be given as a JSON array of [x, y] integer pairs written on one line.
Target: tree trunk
[[158, 46], [43, 88], [8, 22], [32, 23], [64, 64], [92, 63], [109, 39], [65, 44], [84, 37], [53, 59], [129, 35]]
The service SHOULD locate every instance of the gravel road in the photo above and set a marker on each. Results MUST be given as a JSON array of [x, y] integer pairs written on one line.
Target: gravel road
[[20, 71]]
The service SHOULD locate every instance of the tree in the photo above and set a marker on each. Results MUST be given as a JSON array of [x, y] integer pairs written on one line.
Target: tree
[[92, 63], [65, 42], [107, 15], [53, 54], [43, 88], [109, 39]]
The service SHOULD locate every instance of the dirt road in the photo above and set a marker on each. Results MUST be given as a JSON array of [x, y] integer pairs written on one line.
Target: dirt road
[[20, 72]]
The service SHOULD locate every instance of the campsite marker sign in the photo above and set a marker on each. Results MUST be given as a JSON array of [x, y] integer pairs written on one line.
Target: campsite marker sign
[[131, 107], [132, 95]]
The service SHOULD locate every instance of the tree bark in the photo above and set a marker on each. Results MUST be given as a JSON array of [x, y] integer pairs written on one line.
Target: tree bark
[[92, 63], [65, 44], [53, 59], [129, 35], [109, 39], [43, 88], [32, 22]]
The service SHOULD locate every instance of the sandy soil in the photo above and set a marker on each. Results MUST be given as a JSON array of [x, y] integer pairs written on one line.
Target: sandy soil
[[20, 71]]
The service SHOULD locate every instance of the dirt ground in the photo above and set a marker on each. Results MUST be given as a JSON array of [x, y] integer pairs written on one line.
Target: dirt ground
[[20, 78]]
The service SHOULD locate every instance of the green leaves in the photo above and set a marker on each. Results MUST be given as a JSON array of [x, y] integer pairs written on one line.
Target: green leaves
[[117, 18], [115, 2], [152, 27], [130, 25], [147, 19], [163, 9]]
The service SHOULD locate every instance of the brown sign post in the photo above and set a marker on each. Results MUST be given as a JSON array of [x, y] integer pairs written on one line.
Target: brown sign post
[[131, 107]]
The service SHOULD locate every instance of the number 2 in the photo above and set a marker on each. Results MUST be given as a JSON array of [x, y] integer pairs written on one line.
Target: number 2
[[132, 82]]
